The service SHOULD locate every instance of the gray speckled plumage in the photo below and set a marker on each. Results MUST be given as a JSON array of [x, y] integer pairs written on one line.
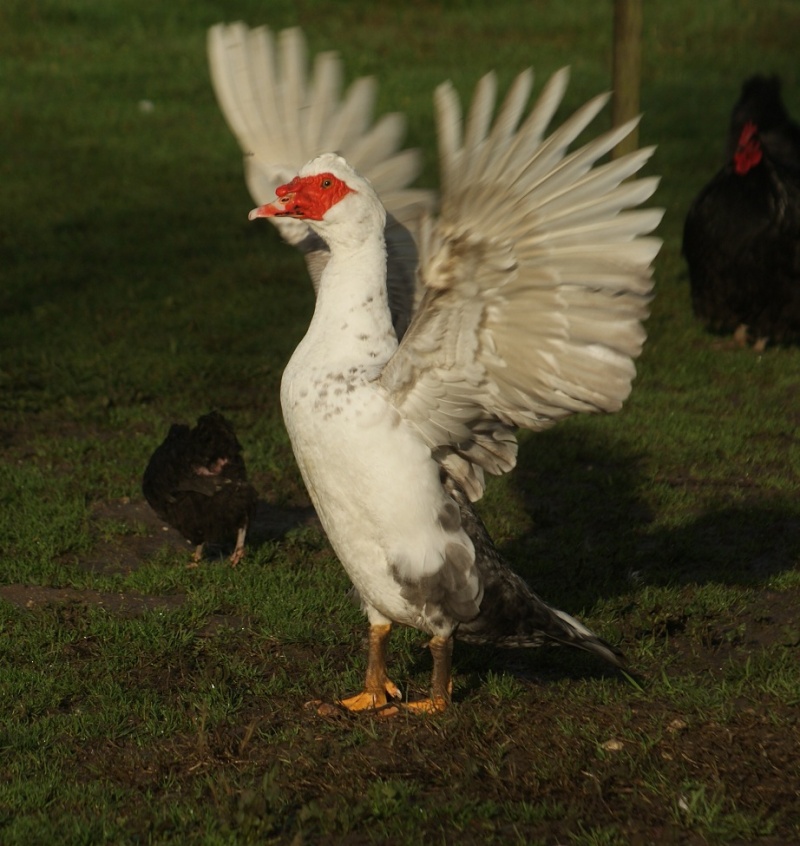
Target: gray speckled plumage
[[511, 614]]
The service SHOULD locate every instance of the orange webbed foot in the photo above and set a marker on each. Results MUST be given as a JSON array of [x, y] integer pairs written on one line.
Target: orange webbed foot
[[374, 699], [432, 705], [371, 699], [379, 690]]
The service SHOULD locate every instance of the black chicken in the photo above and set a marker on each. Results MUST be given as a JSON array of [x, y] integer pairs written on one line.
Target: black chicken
[[197, 483], [741, 238]]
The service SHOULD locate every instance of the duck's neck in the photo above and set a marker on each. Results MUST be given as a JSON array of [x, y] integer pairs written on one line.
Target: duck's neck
[[352, 321]]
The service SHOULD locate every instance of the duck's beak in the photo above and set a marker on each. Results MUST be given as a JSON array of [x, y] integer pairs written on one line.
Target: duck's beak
[[282, 207]]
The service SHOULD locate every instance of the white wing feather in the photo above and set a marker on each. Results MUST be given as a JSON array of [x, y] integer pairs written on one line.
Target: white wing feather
[[281, 120], [537, 273]]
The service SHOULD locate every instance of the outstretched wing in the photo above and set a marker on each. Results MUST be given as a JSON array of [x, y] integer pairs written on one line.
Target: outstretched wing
[[282, 120], [537, 278]]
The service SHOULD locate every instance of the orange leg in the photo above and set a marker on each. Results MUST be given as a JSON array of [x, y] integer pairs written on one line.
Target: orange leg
[[441, 678], [378, 687]]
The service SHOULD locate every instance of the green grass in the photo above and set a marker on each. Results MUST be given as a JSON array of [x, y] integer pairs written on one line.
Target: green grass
[[134, 293]]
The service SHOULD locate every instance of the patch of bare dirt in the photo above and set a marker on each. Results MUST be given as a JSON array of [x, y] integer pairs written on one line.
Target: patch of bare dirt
[[128, 604], [654, 770], [139, 533], [141, 536], [127, 534]]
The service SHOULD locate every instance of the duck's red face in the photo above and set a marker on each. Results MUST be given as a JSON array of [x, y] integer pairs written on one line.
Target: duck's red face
[[305, 198]]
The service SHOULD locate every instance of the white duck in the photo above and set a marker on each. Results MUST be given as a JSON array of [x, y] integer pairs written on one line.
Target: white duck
[[536, 279]]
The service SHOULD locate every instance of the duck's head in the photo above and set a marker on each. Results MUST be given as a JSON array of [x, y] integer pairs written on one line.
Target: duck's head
[[326, 191]]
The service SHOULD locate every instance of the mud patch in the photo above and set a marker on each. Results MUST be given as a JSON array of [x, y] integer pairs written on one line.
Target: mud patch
[[128, 604], [128, 533]]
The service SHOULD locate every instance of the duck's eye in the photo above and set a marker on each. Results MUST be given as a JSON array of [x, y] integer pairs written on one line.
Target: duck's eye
[[326, 183]]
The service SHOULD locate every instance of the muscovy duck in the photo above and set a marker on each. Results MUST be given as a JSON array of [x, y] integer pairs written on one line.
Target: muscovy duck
[[536, 277]]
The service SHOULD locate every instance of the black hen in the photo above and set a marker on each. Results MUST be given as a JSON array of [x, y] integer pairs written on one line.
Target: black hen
[[197, 483], [741, 238]]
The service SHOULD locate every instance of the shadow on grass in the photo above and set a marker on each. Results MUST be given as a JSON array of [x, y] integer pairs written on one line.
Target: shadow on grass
[[732, 545], [592, 531]]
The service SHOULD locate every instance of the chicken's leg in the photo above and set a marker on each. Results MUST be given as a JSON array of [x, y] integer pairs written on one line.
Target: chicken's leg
[[197, 557], [238, 552]]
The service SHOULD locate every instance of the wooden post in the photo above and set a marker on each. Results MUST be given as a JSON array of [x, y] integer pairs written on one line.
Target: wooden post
[[627, 70]]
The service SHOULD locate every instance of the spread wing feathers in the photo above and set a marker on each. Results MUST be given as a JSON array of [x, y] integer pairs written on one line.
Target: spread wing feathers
[[537, 279], [282, 119]]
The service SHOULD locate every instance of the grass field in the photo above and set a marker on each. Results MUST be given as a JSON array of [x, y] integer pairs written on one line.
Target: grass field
[[144, 702]]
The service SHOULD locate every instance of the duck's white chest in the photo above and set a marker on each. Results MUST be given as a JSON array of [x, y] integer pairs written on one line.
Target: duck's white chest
[[373, 482], [356, 455]]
